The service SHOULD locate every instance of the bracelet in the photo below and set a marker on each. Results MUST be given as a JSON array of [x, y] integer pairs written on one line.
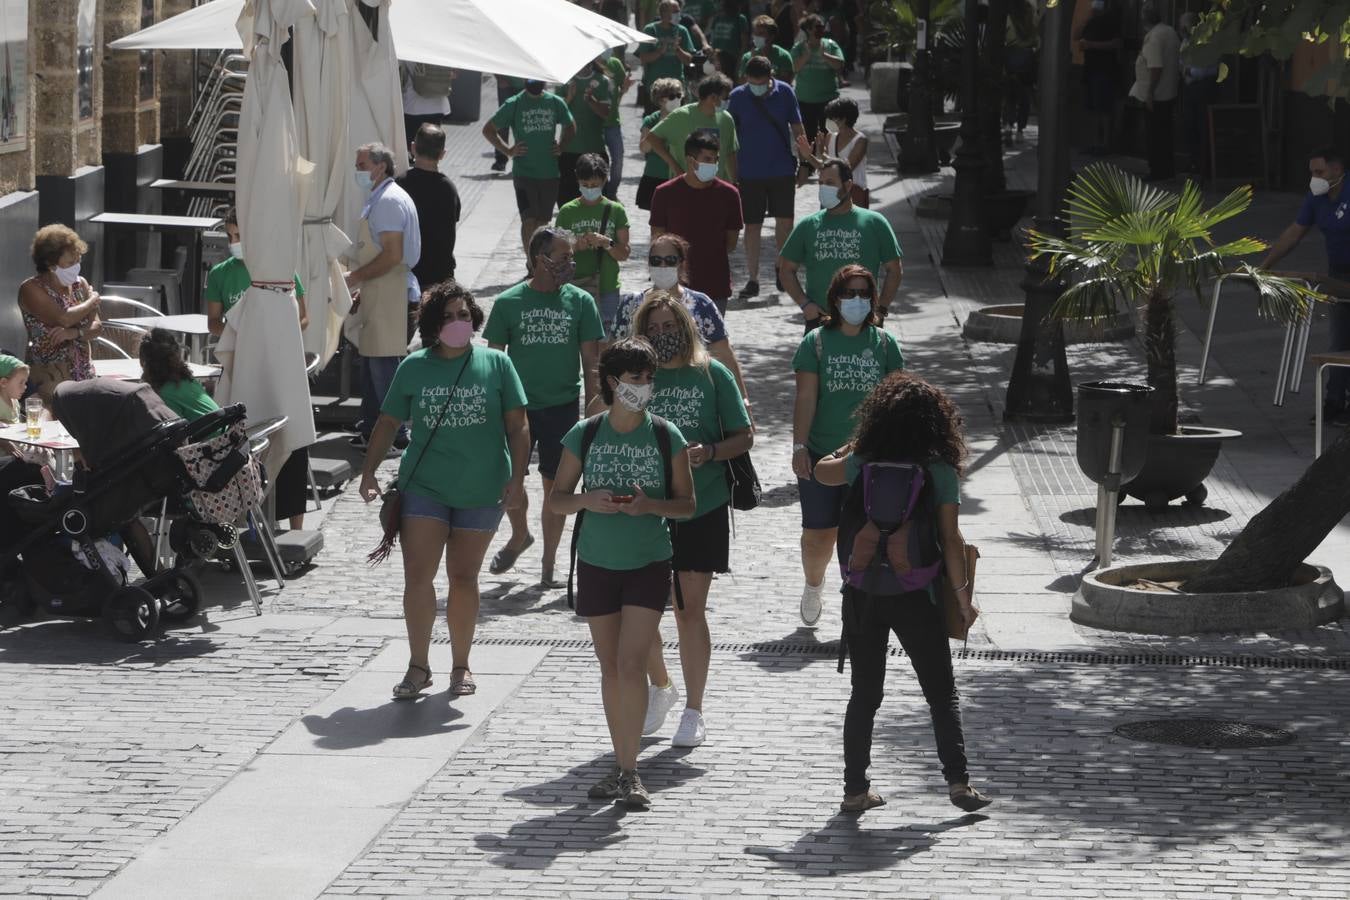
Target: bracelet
[[797, 448], [712, 452]]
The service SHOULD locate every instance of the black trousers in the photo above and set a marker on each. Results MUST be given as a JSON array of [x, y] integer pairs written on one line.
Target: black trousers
[[1158, 129], [917, 621]]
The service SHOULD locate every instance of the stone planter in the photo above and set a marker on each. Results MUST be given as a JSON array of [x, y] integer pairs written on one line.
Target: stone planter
[[1178, 465], [1103, 602], [883, 85], [1003, 325], [1003, 210]]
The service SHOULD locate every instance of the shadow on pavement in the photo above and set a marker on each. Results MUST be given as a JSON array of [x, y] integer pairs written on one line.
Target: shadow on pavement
[[78, 642], [1137, 516], [807, 650], [849, 847], [349, 727]]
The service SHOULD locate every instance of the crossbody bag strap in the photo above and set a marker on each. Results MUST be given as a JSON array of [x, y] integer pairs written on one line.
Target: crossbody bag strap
[[662, 430], [763, 108], [468, 357], [588, 433], [600, 251]]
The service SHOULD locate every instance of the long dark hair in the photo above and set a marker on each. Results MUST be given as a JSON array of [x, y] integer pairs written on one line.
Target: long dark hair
[[162, 360], [907, 419], [837, 285]]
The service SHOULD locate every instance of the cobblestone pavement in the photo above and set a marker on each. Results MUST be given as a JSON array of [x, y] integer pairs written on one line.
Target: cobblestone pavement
[[108, 747]]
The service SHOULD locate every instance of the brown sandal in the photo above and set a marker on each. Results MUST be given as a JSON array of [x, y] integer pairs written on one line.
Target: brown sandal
[[407, 689], [461, 682]]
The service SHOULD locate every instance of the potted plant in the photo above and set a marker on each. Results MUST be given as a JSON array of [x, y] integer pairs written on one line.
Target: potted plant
[[1132, 245]]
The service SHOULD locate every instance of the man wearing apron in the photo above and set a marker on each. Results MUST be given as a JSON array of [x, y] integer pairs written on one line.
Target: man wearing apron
[[388, 245]]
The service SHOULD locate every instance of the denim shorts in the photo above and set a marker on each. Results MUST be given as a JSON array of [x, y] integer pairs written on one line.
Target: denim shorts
[[821, 504], [471, 518], [548, 426]]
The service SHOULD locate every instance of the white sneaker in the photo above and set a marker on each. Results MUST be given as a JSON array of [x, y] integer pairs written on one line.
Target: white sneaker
[[812, 604], [691, 732], [660, 701]]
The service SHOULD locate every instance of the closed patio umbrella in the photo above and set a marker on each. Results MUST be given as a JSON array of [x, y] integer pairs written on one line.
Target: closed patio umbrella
[[322, 71], [262, 351], [376, 97]]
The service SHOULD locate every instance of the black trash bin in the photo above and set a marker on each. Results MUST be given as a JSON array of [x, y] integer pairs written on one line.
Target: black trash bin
[[1099, 403], [466, 97]]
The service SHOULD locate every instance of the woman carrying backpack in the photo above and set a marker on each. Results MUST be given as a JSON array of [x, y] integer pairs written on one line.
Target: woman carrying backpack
[[699, 396], [837, 366], [637, 475], [906, 420]]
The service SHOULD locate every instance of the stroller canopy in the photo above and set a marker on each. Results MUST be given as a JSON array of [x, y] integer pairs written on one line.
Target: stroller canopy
[[106, 416]]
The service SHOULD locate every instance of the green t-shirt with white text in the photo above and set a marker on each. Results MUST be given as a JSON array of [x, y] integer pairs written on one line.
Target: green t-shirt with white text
[[534, 121], [579, 218], [543, 334], [848, 368], [816, 81], [728, 32], [667, 65], [704, 405], [468, 463], [616, 462], [823, 244], [675, 129], [590, 133], [618, 74]]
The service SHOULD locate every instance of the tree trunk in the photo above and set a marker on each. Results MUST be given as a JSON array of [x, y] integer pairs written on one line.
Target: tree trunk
[[1160, 346], [1279, 537]]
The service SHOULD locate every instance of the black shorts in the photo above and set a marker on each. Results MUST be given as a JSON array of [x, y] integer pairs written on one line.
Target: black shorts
[[547, 429], [776, 195], [703, 544], [646, 187], [535, 197], [603, 592]]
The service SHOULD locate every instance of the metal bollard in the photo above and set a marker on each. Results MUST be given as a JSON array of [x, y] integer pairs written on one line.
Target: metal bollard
[[1107, 492]]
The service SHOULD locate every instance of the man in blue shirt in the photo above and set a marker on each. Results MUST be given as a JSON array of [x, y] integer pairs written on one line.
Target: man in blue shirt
[[767, 123], [388, 245], [1328, 207]]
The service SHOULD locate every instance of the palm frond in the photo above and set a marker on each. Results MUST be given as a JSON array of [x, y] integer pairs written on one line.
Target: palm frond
[[1102, 193], [1283, 299], [1091, 299], [1142, 228], [1234, 204], [1240, 247]]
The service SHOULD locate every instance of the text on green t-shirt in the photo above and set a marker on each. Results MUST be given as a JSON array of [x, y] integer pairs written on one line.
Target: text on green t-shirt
[[579, 218], [705, 404], [616, 462], [543, 334], [847, 368], [667, 65], [468, 463], [823, 243], [534, 121], [816, 80], [590, 133]]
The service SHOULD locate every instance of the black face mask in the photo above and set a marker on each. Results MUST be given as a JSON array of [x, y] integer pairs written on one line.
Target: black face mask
[[534, 87]]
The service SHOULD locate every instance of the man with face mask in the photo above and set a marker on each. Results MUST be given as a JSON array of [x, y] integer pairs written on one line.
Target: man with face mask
[[669, 51], [762, 43], [839, 235], [1327, 206], [710, 112], [388, 246], [534, 116], [551, 329], [705, 211]]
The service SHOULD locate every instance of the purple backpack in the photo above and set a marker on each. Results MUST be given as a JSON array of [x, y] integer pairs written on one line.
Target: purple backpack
[[888, 532]]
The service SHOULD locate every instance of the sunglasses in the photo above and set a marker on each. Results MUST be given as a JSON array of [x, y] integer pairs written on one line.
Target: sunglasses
[[855, 294], [664, 261]]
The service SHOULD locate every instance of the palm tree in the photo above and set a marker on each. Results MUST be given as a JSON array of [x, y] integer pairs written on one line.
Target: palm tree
[[1132, 244]]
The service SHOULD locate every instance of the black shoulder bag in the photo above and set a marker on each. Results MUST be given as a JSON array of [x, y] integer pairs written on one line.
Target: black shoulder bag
[[391, 503], [741, 476]]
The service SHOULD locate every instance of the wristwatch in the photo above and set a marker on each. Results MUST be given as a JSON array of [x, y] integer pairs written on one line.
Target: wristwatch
[[797, 448]]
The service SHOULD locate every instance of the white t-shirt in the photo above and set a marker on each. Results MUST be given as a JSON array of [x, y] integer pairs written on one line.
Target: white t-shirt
[[414, 104], [1161, 50], [832, 148]]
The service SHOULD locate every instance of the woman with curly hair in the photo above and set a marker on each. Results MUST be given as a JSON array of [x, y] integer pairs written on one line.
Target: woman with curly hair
[[60, 311], [836, 365], [163, 368], [905, 419]]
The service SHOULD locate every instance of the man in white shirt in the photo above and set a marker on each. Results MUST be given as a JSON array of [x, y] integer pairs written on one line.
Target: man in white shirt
[[1157, 79]]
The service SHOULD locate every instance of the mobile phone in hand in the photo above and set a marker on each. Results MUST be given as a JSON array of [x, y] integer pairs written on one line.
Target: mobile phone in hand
[[621, 498]]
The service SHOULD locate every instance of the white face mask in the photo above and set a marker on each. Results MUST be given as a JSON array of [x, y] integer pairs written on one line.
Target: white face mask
[[760, 40], [665, 277], [634, 397], [237, 250], [1319, 186], [829, 196], [67, 275], [670, 104]]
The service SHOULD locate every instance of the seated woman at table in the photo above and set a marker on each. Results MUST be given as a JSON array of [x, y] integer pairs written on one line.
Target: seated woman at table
[[227, 282], [13, 384], [163, 368], [60, 311]]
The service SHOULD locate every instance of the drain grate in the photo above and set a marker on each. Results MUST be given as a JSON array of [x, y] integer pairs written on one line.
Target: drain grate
[[1209, 734], [831, 648]]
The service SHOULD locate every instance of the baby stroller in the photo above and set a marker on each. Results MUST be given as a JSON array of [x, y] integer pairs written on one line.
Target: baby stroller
[[67, 561]]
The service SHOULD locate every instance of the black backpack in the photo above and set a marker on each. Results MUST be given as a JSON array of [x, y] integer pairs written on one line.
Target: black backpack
[[662, 429]]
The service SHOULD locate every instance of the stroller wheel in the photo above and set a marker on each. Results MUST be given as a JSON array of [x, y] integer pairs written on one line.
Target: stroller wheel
[[133, 612], [182, 597]]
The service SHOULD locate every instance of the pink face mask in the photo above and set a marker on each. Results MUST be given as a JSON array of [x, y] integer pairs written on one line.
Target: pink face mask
[[456, 333]]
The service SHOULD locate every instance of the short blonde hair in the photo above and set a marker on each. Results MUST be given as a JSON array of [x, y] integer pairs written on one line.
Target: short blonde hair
[[656, 299], [667, 87], [51, 243]]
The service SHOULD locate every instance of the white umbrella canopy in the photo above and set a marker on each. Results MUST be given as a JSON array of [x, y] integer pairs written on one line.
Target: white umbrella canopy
[[376, 98], [262, 351], [322, 71], [546, 39]]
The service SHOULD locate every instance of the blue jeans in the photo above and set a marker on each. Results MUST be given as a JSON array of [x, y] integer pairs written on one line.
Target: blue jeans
[[377, 373], [614, 144]]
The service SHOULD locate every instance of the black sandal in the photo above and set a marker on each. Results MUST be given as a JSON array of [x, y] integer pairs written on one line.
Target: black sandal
[[407, 689]]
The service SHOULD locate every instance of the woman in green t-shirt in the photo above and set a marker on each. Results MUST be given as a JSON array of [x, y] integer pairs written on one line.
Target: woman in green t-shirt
[[906, 420], [667, 95], [464, 466], [162, 368], [699, 396], [837, 365], [623, 543]]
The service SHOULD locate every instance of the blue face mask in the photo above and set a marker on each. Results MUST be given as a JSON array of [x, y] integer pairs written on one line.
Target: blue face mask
[[591, 194], [706, 172], [855, 310], [364, 180], [829, 196], [759, 90]]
